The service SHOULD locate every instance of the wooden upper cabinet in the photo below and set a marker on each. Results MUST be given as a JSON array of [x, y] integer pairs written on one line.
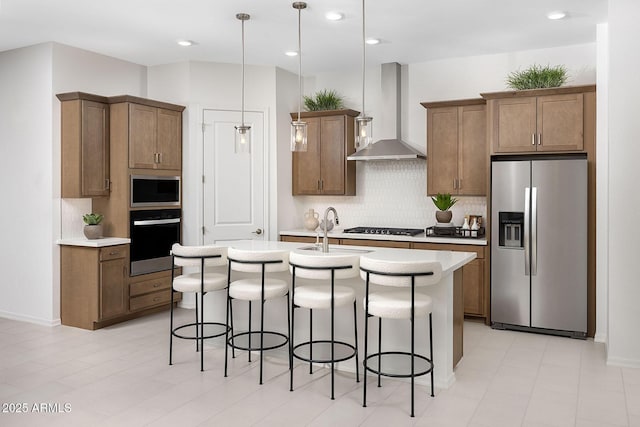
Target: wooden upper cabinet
[[85, 145], [323, 169], [540, 120], [155, 138], [142, 136], [169, 139], [456, 147]]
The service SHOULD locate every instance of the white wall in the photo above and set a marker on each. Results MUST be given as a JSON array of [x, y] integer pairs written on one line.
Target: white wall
[[602, 184], [30, 165], [624, 202], [26, 152]]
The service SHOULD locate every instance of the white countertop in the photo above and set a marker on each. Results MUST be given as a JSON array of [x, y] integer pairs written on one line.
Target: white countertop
[[449, 260], [94, 243], [337, 233]]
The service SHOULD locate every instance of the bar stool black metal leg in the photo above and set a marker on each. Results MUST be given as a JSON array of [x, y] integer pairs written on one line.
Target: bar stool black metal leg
[[289, 335], [262, 322], [431, 349], [226, 335], [379, 350], [249, 336], [366, 337], [233, 342], [292, 330], [196, 325], [413, 353], [310, 340], [355, 327], [201, 329], [332, 337], [171, 329]]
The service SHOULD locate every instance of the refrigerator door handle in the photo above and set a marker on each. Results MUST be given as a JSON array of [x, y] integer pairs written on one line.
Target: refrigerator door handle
[[534, 231], [527, 215]]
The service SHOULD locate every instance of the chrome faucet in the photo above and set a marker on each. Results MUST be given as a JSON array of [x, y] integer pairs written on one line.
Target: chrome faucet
[[325, 241]]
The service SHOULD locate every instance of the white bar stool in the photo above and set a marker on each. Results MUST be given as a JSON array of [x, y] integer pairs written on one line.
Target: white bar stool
[[199, 283], [402, 303], [261, 289], [323, 266]]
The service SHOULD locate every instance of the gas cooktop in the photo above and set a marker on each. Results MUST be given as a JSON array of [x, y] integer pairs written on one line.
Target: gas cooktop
[[385, 230]]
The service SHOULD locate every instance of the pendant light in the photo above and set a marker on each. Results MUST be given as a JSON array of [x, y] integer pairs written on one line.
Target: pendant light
[[243, 131], [363, 122], [298, 127]]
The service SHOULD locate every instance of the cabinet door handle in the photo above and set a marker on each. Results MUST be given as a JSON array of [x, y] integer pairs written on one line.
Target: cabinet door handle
[[533, 139], [455, 184], [539, 139], [318, 184], [107, 184], [156, 285], [322, 184], [114, 253], [159, 157], [459, 184]]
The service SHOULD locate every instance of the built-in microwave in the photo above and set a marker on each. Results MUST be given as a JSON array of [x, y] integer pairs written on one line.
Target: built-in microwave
[[149, 190]]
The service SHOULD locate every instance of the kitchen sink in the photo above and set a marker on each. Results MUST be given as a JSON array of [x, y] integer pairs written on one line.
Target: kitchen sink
[[334, 250]]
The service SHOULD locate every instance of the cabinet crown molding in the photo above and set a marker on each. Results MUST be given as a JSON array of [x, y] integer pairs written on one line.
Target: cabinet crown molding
[[538, 92]]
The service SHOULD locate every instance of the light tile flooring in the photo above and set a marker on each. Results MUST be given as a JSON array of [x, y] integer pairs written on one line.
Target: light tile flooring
[[119, 376]]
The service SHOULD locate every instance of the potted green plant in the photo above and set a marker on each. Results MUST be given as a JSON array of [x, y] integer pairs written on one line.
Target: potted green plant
[[323, 100], [537, 77], [93, 227], [444, 202]]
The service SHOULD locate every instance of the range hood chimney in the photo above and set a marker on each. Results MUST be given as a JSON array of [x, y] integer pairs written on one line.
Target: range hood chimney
[[389, 149]]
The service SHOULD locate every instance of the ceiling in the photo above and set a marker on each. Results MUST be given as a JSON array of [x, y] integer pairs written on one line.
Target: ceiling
[[146, 31]]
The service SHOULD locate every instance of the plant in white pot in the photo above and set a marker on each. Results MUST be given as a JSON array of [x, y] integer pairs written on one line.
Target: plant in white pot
[[93, 227], [443, 202]]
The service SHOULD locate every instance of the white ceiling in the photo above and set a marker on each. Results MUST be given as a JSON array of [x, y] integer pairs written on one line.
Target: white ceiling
[[146, 31]]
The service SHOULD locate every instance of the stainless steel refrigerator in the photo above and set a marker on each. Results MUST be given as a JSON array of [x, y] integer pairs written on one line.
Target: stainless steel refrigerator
[[539, 244]]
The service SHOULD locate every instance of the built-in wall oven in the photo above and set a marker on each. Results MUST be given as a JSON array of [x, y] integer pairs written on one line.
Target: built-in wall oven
[[153, 232]]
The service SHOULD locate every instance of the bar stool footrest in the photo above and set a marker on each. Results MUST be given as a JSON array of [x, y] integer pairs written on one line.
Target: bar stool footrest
[[224, 327], [272, 340], [322, 351], [423, 365]]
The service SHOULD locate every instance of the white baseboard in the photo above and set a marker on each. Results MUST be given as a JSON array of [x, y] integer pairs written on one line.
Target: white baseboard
[[29, 319], [623, 362]]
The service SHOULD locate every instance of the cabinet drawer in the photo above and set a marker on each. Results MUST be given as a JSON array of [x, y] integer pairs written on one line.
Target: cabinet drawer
[[147, 286], [149, 300], [113, 252]]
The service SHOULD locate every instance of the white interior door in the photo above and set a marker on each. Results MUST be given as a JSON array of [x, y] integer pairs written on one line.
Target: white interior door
[[234, 184]]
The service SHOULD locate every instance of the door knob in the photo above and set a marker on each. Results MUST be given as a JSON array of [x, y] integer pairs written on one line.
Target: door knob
[[258, 231]]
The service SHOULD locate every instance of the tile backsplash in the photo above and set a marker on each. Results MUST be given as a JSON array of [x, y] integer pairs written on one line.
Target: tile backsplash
[[71, 212], [390, 193]]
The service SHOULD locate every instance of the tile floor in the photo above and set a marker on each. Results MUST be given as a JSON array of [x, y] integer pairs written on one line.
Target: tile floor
[[118, 376]]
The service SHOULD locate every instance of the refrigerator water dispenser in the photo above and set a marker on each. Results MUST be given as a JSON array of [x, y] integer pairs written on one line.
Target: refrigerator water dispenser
[[511, 231]]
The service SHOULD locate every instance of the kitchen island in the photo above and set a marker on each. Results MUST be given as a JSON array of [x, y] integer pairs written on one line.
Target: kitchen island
[[446, 295]]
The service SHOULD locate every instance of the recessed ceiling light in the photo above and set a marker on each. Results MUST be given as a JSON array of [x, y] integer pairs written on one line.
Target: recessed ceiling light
[[185, 42], [291, 53], [334, 16], [373, 41], [557, 14]]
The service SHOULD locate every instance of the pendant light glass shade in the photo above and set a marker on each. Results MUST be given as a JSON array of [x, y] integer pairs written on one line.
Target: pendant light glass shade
[[364, 125], [243, 131], [298, 127]]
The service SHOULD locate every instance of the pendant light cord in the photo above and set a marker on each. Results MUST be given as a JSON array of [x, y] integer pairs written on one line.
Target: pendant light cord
[[363, 58], [299, 64], [242, 101]]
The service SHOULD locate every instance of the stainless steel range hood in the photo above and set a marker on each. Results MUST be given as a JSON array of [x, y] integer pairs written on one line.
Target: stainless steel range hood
[[389, 149]]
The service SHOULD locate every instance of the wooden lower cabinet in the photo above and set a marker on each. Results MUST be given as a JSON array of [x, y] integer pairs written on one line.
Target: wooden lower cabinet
[[151, 290], [473, 277], [92, 284], [96, 290]]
